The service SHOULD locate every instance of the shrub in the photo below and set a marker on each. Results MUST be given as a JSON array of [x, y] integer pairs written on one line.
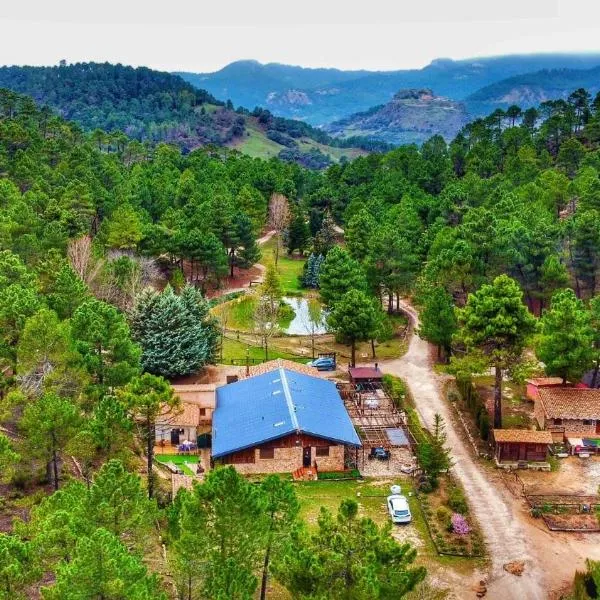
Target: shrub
[[443, 515], [460, 525], [457, 501]]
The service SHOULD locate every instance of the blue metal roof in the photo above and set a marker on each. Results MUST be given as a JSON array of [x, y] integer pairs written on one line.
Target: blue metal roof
[[276, 404]]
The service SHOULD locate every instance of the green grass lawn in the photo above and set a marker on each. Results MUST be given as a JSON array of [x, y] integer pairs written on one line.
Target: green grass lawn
[[288, 268], [179, 460], [234, 349]]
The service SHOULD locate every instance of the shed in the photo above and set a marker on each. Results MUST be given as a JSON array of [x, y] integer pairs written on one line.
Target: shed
[[515, 445], [366, 375]]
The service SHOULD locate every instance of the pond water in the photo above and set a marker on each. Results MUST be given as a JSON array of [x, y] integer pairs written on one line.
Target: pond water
[[308, 317]]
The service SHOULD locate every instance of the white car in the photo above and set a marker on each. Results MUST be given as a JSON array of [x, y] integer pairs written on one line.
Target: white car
[[399, 509]]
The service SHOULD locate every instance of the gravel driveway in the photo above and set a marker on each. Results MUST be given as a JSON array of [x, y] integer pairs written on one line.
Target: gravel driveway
[[503, 532]]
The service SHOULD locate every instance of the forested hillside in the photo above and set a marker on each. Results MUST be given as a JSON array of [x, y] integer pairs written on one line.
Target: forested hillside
[[92, 229], [153, 107], [531, 89]]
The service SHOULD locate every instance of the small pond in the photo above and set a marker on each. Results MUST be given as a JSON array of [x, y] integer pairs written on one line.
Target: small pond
[[309, 317]]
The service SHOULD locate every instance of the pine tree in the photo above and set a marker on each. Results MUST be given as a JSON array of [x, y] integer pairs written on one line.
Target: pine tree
[[176, 332], [102, 567], [565, 344], [338, 274], [348, 557]]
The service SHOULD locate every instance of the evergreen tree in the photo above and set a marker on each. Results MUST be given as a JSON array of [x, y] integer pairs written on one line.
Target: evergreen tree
[[438, 319], [353, 318], [496, 323], [176, 332], [247, 252], [348, 557], [17, 567], [124, 229], [297, 232], [102, 337], [566, 337], [146, 396], [338, 274], [49, 424], [102, 567], [325, 237], [222, 525]]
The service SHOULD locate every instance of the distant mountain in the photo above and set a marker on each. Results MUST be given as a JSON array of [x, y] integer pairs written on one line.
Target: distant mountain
[[249, 83], [320, 96], [412, 116], [532, 88]]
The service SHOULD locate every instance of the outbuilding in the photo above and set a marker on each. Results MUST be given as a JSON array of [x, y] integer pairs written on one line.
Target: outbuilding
[[521, 445], [371, 376]]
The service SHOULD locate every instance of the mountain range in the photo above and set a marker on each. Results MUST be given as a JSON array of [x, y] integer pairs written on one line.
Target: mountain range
[[322, 96]]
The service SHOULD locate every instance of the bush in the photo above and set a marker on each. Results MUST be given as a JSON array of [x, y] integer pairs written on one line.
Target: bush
[[443, 515], [457, 501], [460, 525]]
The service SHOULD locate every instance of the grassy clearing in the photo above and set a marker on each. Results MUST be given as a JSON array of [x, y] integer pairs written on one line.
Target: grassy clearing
[[373, 492], [288, 268], [240, 313], [234, 349], [179, 460]]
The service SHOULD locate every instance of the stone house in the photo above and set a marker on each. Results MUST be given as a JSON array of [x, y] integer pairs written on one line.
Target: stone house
[[192, 419], [566, 410], [281, 421]]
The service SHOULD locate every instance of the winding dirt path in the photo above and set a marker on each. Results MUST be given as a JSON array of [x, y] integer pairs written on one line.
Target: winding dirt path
[[505, 538]]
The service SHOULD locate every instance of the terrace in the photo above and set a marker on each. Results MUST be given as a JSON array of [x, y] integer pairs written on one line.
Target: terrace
[[379, 424]]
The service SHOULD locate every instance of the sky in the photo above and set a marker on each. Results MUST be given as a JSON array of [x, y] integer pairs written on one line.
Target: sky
[[205, 35]]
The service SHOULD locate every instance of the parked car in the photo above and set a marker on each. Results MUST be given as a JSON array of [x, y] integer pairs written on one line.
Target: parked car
[[398, 508], [379, 453], [324, 363]]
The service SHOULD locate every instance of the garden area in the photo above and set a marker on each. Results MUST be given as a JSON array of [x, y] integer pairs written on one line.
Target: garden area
[[186, 462], [452, 529]]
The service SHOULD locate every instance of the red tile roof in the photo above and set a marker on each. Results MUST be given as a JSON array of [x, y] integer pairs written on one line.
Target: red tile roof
[[525, 436], [365, 373], [570, 403]]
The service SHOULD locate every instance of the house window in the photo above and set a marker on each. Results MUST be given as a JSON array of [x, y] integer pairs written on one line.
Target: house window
[[266, 453], [202, 412], [587, 422], [558, 421], [322, 451]]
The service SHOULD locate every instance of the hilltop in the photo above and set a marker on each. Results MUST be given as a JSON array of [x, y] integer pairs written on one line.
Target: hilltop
[[412, 116]]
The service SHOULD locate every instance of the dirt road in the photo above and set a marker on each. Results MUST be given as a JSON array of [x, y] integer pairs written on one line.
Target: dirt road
[[504, 534]]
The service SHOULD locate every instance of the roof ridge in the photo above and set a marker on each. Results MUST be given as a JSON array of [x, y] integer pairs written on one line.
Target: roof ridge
[[288, 399]]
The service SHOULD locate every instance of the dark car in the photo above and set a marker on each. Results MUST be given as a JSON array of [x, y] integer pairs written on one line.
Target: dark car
[[379, 453], [325, 363]]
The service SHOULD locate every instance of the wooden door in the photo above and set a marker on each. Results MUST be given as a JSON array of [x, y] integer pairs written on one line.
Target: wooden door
[[306, 456]]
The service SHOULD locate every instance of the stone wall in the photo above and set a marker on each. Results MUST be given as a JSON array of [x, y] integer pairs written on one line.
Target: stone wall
[[286, 460], [333, 462], [576, 425]]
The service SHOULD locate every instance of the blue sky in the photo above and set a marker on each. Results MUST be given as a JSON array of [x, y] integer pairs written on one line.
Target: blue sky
[[204, 35]]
